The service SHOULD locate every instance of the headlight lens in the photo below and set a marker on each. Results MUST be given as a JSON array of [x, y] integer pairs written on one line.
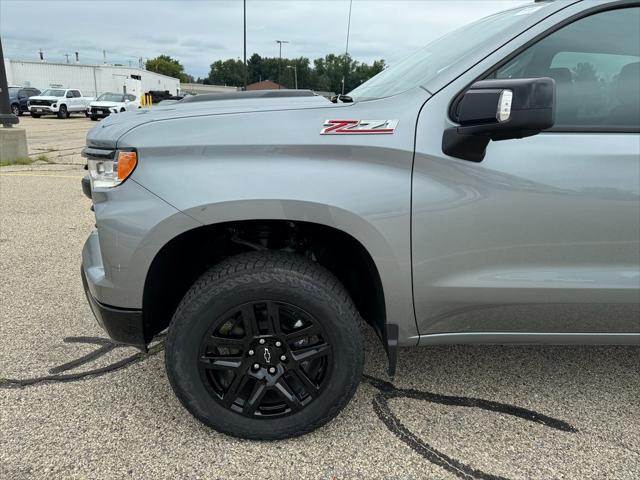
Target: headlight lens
[[108, 173]]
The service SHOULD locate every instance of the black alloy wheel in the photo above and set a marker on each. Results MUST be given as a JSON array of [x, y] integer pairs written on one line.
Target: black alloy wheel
[[265, 359]]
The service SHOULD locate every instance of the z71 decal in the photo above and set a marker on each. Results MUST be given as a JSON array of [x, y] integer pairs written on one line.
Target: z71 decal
[[358, 127]]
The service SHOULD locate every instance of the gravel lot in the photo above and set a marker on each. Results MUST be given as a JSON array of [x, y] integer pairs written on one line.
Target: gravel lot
[[452, 412]]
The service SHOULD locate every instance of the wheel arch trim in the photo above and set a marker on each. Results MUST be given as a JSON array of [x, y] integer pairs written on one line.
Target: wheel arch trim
[[392, 270]]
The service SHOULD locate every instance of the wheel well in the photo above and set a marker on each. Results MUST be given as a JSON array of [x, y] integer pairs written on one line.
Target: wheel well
[[181, 261]]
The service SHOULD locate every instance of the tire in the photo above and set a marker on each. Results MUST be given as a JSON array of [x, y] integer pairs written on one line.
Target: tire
[[35, 115], [94, 118], [303, 381], [63, 112], [15, 109]]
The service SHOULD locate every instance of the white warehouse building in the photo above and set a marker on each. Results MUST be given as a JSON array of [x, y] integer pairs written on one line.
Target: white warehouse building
[[91, 80]]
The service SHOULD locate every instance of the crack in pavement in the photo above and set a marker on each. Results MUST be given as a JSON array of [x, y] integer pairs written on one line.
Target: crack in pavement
[[386, 391], [106, 345]]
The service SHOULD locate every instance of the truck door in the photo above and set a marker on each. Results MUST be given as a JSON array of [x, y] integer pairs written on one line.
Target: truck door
[[543, 235]]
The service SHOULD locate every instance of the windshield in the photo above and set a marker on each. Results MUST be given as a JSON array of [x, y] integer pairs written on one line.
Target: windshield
[[111, 97], [426, 64], [53, 93], [13, 91]]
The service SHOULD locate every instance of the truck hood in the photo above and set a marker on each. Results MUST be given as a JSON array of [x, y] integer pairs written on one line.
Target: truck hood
[[109, 130], [40, 97]]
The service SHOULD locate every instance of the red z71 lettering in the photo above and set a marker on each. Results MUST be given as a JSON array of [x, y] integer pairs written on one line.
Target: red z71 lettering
[[358, 127]]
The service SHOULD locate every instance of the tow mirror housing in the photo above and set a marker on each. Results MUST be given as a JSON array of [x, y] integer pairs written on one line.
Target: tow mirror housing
[[499, 110]]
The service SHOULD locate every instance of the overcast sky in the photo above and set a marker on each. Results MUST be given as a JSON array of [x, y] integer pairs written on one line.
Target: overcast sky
[[198, 32]]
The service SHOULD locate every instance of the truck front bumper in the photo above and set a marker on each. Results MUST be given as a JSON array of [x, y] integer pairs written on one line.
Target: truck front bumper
[[122, 325], [43, 109]]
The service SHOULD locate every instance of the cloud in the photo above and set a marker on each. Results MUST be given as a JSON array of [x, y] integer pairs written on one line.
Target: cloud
[[199, 32]]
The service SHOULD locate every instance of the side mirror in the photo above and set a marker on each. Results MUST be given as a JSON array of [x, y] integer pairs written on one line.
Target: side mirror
[[499, 110]]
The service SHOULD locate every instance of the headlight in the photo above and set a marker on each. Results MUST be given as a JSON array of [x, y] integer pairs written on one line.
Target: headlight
[[108, 173]]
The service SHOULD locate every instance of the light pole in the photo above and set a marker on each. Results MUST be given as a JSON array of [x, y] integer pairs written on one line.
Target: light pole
[[346, 50], [245, 45], [295, 73], [280, 42]]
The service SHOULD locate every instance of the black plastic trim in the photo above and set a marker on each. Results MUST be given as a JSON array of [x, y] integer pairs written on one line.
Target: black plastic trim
[[101, 153], [86, 185], [391, 336]]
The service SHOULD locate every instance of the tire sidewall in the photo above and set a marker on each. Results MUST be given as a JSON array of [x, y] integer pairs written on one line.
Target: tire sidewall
[[194, 319]]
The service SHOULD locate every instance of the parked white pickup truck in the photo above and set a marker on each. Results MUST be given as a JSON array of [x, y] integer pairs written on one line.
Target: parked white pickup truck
[[58, 101]]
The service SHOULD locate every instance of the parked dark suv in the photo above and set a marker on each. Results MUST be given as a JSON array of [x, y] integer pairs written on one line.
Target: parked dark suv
[[18, 97]]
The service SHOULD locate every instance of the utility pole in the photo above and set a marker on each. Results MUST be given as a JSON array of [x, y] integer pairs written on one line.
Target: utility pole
[[104, 57], [280, 42], [245, 44], [67, 55], [77, 57]]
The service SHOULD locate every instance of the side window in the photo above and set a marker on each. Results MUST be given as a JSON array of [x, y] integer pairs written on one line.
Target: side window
[[595, 62], [76, 94]]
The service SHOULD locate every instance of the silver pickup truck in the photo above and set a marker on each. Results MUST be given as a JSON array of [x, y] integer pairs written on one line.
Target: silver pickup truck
[[484, 190]]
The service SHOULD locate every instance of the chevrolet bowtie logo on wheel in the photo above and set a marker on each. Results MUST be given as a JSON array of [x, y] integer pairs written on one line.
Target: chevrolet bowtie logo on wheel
[[358, 127], [267, 355]]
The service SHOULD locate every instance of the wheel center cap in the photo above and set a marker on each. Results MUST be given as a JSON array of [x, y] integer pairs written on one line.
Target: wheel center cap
[[267, 354]]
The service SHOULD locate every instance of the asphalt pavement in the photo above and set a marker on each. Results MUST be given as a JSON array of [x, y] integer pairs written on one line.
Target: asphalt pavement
[[75, 406]]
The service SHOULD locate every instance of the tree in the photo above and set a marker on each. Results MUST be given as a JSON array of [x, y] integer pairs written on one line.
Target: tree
[[227, 72], [166, 65], [323, 74]]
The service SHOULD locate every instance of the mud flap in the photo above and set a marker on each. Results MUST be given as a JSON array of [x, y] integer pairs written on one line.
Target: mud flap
[[391, 346]]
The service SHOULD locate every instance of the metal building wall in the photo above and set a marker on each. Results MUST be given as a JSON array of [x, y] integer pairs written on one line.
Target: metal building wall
[[92, 80]]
